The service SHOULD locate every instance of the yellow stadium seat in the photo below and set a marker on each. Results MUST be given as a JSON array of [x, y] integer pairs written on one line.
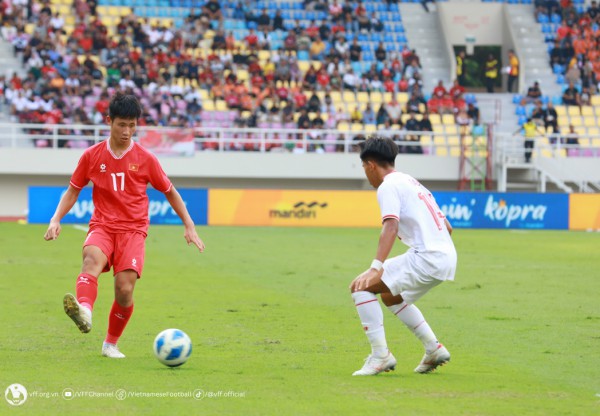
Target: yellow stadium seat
[[573, 111], [441, 151], [402, 97], [576, 121], [357, 127], [587, 110], [438, 128], [336, 97], [376, 97], [563, 121], [597, 111], [113, 11], [208, 105], [590, 121], [448, 119], [387, 97], [343, 126], [453, 140], [303, 66], [455, 151], [348, 97], [370, 128], [547, 153], [435, 119], [593, 132], [581, 131], [595, 100], [264, 55], [242, 75], [363, 97], [561, 110], [439, 140], [221, 105], [451, 129]]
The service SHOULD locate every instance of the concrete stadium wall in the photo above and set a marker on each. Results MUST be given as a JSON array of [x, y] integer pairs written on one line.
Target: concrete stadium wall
[[21, 168]]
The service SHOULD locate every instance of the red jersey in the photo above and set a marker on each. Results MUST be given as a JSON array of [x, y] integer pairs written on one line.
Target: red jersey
[[120, 182]]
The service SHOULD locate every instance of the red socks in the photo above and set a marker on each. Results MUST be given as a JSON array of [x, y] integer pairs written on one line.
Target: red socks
[[87, 290], [117, 321]]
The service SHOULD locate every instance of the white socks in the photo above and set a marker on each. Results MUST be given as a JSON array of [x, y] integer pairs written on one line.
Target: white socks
[[414, 320], [371, 318]]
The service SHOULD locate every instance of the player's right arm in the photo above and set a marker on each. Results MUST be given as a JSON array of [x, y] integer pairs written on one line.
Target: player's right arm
[[64, 206]]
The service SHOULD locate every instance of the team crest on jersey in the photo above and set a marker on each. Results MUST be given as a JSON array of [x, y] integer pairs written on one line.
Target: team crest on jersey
[[102, 168], [134, 167]]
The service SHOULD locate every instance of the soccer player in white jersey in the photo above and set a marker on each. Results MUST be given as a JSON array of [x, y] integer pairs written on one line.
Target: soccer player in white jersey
[[409, 212]]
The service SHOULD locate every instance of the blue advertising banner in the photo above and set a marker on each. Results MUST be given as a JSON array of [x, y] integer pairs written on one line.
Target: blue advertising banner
[[505, 210], [44, 199]]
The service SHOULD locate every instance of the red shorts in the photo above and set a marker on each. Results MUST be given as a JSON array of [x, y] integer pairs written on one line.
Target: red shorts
[[124, 251]]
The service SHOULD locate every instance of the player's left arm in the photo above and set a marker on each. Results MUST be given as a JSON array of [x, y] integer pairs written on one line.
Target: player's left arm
[[191, 236]]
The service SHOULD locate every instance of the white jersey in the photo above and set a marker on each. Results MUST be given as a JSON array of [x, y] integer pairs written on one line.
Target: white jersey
[[421, 224]]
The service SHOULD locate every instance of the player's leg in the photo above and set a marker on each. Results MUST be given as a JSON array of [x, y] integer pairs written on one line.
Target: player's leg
[[79, 307], [121, 311], [407, 285], [371, 318], [128, 265]]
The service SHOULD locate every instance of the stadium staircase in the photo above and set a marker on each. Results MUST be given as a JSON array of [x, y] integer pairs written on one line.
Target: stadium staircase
[[532, 50], [423, 34], [9, 64]]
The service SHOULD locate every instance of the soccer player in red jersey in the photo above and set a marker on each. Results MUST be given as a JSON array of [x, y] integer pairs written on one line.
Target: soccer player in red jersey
[[120, 170]]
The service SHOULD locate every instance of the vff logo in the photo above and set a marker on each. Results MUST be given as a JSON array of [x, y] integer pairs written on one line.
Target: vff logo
[[15, 394]]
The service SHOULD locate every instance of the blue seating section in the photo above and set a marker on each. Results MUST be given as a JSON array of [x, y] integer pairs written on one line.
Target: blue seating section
[[393, 36]]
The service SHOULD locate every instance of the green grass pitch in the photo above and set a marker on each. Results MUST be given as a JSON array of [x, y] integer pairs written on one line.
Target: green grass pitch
[[272, 322]]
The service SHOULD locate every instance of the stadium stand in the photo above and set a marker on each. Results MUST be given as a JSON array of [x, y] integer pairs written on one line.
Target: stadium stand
[[253, 64]]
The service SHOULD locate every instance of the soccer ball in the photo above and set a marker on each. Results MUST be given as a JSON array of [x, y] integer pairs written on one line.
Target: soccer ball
[[172, 347]]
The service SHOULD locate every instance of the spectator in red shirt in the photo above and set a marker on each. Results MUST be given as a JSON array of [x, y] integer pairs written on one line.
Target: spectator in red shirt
[[252, 40], [300, 100], [388, 85], [433, 105], [457, 90], [403, 85], [102, 104], [323, 78], [439, 91]]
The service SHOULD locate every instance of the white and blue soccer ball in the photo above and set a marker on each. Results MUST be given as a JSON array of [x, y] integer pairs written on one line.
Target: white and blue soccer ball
[[172, 347]]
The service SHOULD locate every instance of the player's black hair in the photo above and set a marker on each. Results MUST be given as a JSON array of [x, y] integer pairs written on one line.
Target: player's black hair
[[124, 106], [381, 150]]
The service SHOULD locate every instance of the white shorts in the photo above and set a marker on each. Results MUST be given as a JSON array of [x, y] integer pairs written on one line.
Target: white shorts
[[402, 276]]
